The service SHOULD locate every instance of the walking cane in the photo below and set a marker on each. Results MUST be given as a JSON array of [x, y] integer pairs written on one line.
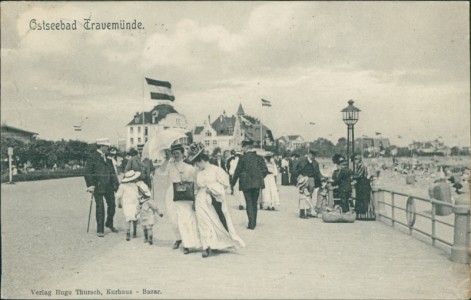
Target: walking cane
[[90, 213]]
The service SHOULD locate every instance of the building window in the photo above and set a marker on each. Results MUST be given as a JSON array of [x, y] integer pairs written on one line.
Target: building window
[[131, 130], [146, 131], [230, 131], [139, 140], [132, 140], [139, 129], [208, 133], [215, 142], [206, 143]]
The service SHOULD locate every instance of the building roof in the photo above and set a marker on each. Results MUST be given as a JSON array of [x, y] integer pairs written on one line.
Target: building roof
[[240, 110], [224, 125], [161, 110], [198, 129], [293, 137], [6, 128]]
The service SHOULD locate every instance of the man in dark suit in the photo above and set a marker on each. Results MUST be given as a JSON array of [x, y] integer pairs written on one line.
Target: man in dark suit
[[309, 167], [218, 161], [251, 170], [102, 181]]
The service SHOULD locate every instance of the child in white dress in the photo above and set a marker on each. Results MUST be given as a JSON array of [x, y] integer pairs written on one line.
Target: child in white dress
[[128, 198]]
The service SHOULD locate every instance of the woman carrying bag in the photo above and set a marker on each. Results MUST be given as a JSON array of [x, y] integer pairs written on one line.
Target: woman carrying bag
[[181, 211]]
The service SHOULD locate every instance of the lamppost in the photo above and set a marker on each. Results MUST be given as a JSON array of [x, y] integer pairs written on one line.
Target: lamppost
[[350, 118]]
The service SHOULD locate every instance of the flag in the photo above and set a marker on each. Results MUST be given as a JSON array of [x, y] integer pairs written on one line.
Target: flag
[[312, 123], [78, 127], [160, 90], [378, 133], [266, 102]]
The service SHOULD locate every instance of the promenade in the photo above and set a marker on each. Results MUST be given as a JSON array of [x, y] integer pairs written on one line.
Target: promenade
[[45, 248]]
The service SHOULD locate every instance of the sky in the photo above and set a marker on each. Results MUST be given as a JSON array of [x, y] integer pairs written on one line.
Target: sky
[[405, 64]]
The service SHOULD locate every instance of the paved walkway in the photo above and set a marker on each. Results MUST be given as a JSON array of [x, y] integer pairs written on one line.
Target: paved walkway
[[285, 257]]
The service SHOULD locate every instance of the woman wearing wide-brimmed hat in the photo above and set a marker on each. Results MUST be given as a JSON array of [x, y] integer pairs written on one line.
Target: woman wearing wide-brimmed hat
[[214, 221], [181, 213]]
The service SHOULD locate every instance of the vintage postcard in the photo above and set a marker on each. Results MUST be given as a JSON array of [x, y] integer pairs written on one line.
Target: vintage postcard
[[235, 150]]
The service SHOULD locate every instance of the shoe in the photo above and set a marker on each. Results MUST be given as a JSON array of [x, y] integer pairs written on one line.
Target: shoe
[[128, 236], [186, 250], [177, 244], [100, 234], [207, 253], [250, 227], [241, 207], [113, 229], [273, 208], [150, 240]]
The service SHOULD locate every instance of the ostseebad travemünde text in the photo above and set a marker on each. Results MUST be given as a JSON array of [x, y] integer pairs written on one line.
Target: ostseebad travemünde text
[[87, 24]]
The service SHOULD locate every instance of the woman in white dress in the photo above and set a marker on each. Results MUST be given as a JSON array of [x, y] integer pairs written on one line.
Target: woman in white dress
[[181, 213], [270, 192], [214, 221]]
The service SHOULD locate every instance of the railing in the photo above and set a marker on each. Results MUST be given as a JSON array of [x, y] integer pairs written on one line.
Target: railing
[[459, 229]]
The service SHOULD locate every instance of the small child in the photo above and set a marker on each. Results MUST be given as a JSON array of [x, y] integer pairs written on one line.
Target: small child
[[128, 198], [304, 197], [322, 196], [147, 209]]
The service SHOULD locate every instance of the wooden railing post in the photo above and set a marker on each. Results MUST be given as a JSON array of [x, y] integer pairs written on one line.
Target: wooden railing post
[[378, 201], [460, 249]]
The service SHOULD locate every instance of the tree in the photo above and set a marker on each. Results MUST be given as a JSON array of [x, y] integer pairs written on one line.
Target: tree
[[324, 147], [341, 146]]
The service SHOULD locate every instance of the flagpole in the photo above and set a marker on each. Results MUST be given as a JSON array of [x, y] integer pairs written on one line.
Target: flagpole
[[261, 130]]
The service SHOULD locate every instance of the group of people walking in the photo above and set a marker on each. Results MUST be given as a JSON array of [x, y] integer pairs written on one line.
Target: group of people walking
[[196, 198]]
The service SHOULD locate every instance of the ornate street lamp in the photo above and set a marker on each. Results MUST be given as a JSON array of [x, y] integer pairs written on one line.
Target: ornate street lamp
[[350, 118]]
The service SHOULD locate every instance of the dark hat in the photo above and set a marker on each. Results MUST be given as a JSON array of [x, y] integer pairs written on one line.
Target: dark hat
[[247, 143], [342, 160], [195, 150], [177, 147], [335, 158]]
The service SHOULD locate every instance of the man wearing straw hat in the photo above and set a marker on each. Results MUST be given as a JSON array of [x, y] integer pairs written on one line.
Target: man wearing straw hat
[[102, 182]]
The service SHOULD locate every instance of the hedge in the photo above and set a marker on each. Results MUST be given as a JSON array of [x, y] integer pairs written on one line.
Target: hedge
[[45, 174]]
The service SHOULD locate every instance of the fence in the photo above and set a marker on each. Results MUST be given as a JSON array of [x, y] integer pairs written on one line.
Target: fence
[[455, 218]]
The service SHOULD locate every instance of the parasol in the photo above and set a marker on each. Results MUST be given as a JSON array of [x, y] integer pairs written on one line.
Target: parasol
[[159, 141]]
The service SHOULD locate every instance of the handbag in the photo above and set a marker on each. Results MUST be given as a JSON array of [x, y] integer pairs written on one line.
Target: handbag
[[183, 190]]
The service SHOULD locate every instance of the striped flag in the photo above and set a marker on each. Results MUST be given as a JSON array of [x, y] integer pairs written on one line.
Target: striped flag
[[160, 90], [266, 102]]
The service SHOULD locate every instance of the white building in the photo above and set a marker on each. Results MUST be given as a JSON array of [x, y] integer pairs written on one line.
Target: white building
[[161, 117], [227, 132]]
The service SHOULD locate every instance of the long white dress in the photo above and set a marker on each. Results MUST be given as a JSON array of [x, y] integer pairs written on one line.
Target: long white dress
[[181, 213], [270, 194], [213, 234]]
